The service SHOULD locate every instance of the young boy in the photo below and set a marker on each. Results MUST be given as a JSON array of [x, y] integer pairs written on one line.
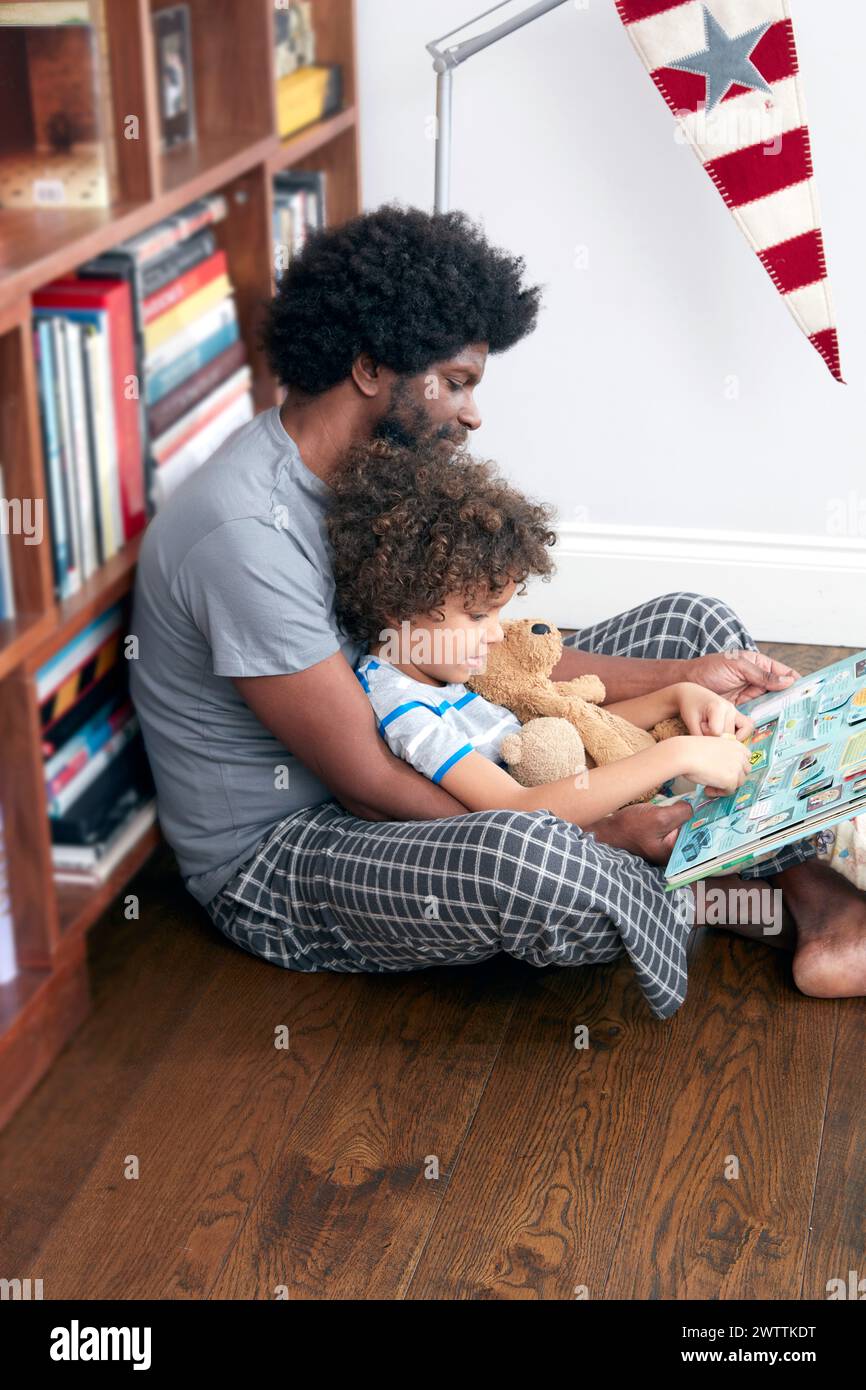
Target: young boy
[[429, 545]]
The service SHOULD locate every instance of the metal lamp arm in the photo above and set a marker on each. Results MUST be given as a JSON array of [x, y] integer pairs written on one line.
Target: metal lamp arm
[[446, 60]]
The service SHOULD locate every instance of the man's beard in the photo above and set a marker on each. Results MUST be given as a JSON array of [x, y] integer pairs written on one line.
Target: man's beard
[[407, 424]]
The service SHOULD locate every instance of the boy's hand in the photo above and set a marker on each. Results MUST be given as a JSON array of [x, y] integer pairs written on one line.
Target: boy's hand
[[704, 712], [721, 763]]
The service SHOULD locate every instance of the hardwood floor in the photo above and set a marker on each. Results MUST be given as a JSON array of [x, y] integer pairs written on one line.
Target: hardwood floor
[[436, 1135]]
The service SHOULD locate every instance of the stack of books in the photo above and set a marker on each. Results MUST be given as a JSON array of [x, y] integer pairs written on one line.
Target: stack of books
[[87, 374], [99, 790], [299, 209], [195, 382], [8, 964]]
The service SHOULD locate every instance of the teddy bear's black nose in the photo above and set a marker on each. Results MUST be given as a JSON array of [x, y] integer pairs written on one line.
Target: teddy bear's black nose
[[539, 629]]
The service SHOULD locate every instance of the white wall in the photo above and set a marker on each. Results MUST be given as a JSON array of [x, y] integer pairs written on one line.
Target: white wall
[[620, 407]]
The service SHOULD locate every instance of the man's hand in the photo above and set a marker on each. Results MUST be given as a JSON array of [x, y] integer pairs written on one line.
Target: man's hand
[[646, 830], [740, 675]]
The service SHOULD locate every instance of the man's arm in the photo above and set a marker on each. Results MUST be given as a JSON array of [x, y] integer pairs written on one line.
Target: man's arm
[[623, 677], [736, 675], [323, 716]]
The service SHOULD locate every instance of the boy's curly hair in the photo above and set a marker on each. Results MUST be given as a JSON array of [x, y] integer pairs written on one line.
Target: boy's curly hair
[[408, 286], [410, 527]]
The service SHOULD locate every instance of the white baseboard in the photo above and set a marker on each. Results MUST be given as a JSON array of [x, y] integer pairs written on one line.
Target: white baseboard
[[809, 589]]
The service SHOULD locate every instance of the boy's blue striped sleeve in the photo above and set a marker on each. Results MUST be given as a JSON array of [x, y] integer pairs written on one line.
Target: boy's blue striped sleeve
[[415, 729]]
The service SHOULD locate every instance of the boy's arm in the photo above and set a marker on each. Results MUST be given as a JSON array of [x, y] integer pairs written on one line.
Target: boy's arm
[[648, 710], [586, 797], [323, 716]]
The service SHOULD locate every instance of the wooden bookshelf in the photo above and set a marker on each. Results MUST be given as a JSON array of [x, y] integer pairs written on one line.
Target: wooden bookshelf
[[237, 153]]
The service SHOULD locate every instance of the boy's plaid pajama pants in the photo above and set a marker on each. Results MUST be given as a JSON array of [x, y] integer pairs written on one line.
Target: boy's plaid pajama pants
[[325, 890]]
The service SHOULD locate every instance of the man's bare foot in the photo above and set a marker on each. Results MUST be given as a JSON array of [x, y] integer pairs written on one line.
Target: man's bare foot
[[830, 917], [752, 907]]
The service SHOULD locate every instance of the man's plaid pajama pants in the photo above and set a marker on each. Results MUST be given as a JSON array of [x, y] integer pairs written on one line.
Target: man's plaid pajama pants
[[325, 890]]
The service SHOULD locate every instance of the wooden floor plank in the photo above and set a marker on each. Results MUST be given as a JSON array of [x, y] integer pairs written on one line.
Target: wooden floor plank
[[205, 1126], [805, 659], [745, 1080], [534, 1205], [351, 1201], [145, 976], [837, 1239]]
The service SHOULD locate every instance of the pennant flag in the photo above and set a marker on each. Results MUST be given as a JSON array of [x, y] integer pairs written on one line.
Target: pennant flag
[[728, 70]]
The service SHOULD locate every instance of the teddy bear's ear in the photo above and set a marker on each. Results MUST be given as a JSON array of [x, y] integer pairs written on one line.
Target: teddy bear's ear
[[511, 748]]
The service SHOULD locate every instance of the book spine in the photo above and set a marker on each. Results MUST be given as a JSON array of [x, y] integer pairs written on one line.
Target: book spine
[[127, 413], [73, 656], [194, 388], [60, 804], [201, 415], [119, 266], [100, 859], [108, 435], [93, 736], [87, 332], [180, 259], [51, 441], [199, 448], [167, 378], [196, 332], [70, 489], [80, 448], [185, 285], [76, 689], [149, 245], [167, 324]]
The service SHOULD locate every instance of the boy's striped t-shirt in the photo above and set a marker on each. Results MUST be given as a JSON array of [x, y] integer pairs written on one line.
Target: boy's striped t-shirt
[[432, 726]]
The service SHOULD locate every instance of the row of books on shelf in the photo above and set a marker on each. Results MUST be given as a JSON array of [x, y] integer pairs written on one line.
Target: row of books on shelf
[[299, 209], [99, 791], [142, 373]]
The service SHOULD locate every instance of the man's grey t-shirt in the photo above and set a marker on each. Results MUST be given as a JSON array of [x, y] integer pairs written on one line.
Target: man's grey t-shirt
[[234, 579]]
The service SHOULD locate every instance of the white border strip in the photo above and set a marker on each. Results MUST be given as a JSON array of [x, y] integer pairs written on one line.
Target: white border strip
[[786, 588]]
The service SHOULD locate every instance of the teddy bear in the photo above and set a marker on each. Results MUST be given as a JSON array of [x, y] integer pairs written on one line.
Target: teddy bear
[[517, 676], [544, 750]]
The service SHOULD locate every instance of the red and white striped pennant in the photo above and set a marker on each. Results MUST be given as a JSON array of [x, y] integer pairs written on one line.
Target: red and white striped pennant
[[728, 70]]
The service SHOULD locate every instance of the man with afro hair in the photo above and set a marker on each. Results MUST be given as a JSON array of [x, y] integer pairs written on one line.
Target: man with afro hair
[[310, 844]]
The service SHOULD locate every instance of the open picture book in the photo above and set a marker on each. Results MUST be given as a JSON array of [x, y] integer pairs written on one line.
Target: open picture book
[[808, 772]]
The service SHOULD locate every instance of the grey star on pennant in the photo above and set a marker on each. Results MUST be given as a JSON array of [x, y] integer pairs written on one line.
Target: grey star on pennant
[[726, 60]]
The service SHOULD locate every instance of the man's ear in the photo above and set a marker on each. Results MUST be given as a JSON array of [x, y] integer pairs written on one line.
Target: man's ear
[[369, 376]]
